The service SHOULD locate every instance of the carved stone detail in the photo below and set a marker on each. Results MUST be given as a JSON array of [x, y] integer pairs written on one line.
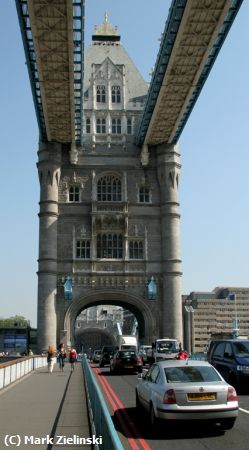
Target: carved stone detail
[[109, 282]]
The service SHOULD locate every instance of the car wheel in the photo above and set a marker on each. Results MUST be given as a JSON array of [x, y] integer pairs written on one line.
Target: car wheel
[[153, 419], [227, 424]]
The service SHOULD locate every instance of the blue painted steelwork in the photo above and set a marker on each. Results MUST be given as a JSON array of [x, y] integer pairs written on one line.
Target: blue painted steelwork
[[167, 43], [233, 10], [171, 28], [78, 44], [100, 419], [24, 21]]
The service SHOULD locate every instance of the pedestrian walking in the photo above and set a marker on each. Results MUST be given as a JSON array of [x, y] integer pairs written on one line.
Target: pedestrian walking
[[51, 358], [61, 356], [73, 357]]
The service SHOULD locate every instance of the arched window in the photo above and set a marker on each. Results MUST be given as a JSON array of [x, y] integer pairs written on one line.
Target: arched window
[[136, 250], [101, 126], [101, 98], [129, 126], [74, 194], [110, 246], [144, 194], [88, 125], [116, 94], [83, 249], [109, 189], [116, 126]]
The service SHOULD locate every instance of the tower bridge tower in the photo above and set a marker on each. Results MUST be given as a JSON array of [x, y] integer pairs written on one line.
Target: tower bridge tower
[[106, 220]]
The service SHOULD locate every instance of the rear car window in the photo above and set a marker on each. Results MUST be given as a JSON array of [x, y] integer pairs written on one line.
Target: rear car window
[[190, 374], [126, 353], [110, 348]]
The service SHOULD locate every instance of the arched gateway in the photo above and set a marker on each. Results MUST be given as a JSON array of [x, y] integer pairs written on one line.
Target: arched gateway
[[147, 323], [108, 220]]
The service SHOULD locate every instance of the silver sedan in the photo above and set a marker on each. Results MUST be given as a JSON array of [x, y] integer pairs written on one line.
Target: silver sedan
[[187, 390]]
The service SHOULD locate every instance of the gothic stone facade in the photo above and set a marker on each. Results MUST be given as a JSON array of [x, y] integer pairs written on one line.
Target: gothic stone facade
[[107, 221]]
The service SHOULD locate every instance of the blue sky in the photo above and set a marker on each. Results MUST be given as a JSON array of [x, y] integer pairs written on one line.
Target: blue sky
[[214, 147]]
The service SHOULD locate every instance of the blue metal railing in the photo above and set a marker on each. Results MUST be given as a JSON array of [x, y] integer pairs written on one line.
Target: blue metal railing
[[101, 421]]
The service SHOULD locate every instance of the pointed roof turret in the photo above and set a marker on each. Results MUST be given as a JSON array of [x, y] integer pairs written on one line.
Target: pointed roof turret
[[106, 31]]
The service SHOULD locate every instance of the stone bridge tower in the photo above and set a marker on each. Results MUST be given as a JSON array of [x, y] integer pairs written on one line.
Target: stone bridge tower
[[107, 221]]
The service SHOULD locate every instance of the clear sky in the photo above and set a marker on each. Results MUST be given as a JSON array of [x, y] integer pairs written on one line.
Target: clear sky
[[214, 146]]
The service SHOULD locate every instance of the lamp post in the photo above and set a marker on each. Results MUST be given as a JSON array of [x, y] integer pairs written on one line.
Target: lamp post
[[190, 332], [236, 320]]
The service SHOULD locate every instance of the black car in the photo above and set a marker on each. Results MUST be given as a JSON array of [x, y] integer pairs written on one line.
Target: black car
[[106, 353], [124, 360], [231, 358]]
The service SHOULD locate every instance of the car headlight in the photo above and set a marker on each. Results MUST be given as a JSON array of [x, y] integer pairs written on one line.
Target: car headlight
[[243, 368]]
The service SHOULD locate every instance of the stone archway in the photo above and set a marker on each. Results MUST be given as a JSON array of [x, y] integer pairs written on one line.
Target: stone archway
[[141, 310], [92, 338]]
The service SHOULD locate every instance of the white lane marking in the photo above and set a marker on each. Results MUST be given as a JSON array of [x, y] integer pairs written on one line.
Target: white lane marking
[[244, 410]]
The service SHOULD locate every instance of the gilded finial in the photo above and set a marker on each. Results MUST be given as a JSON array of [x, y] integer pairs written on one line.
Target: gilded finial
[[106, 29]]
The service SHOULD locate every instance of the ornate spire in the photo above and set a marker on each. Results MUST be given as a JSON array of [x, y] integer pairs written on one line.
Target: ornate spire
[[105, 31]]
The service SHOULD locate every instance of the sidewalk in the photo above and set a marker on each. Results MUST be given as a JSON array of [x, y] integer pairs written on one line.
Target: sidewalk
[[43, 406]]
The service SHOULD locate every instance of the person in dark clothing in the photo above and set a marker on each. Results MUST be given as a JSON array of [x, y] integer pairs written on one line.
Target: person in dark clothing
[[61, 356]]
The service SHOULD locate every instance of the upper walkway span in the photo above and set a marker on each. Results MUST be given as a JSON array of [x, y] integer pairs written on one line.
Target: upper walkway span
[[53, 37], [193, 36]]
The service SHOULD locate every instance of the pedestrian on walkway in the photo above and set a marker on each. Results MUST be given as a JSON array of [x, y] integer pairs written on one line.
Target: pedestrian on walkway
[[73, 357], [51, 358], [61, 356]]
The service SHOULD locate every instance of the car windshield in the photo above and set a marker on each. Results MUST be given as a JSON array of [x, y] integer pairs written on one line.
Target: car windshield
[[166, 347], [191, 374], [241, 349]]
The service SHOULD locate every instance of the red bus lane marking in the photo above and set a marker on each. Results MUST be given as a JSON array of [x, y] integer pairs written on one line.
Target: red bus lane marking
[[123, 410], [117, 412]]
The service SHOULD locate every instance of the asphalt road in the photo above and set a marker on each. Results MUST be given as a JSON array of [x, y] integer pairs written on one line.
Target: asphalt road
[[135, 431]]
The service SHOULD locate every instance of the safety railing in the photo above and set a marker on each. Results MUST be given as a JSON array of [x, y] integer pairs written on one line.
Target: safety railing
[[101, 422], [14, 370]]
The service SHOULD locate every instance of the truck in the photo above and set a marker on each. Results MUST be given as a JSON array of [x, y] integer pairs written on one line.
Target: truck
[[127, 342], [165, 348]]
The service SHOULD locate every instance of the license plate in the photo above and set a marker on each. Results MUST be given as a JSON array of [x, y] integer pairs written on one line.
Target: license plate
[[128, 367], [202, 396]]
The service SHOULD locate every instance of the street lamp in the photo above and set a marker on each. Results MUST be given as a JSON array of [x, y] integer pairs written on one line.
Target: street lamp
[[190, 332]]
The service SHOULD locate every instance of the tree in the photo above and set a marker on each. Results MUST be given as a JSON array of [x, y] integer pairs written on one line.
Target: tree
[[14, 321]]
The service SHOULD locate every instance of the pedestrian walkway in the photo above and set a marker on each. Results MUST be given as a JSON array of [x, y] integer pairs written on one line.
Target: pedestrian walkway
[[45, 411]]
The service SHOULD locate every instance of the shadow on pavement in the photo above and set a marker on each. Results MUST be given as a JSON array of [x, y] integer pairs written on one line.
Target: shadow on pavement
[[137, 425]]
